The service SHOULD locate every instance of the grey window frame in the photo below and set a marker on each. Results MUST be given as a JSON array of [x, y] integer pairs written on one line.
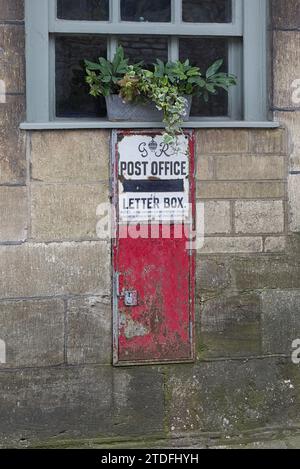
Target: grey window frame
[[248, 105]]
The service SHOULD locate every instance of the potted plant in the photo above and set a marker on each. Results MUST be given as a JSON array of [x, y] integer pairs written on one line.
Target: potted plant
[[164, 93]]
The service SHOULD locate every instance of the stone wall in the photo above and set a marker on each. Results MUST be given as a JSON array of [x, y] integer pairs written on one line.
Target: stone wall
[[55, 291]]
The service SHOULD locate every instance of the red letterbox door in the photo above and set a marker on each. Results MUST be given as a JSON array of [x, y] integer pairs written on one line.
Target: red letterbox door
[[153, 259]]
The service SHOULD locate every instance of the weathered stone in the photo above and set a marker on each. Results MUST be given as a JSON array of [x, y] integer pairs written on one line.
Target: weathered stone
[[259, 217], [292, 122], [286, 69], [12, 141], [70, 156], [293, 442], [280, 320], [66, 212], [286, 14], [230, 326], [13, 213], [138, 401], [258, 445], [89, 334], [293, 244], [61, 403], [210, 141], [217, 217], [33, 332], [232, 396], [275, 244], [294, 202], [12, 57], [274, 141], [212, 275], [205, 167], [58, 402], [248, 167], [268, 272], [11, 10], [240, 190], [32, 270], [231, 245]]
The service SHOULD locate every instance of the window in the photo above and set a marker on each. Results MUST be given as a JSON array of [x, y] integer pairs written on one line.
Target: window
[[62, 33]]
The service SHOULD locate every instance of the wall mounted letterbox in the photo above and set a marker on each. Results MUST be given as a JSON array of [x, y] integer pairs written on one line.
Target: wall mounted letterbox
[[153, 193]]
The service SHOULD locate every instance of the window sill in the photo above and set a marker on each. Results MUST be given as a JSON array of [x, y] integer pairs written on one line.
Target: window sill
[[105, 124]]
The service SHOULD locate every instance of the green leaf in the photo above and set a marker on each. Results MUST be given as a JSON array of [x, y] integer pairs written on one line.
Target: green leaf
[[212, 70], [210, 88], [92, 65]]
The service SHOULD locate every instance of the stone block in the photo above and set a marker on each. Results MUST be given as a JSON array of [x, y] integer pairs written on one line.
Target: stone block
[[230, 327], [275, 244], [280, 321], [292, 122], [80, 156], [51, 406], [217, 217], [66, 212], [12, 141], [89, 331], [232, 396], [13, 214], [212, 275], [33, 332], [12, 57], [139, 401], [294, 203], [269, 141], [250, 167], [37, 270], [259, 217], [266, 272], [55, 403], [286, 14], [205, 167], [240, 190], [211, 141], [11, 10], [231, 245], [286, 69]]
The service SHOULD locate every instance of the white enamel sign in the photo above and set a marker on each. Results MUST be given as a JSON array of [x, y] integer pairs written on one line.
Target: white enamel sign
[[153, 179]]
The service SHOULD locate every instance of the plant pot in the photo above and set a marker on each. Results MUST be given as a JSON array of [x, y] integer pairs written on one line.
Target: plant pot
[[118, 110]]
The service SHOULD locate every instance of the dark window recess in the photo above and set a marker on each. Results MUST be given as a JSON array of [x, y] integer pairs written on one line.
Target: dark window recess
[[202, 52], [85, 10], [72, 93], [146, 10], [207, 11], [145, 48]]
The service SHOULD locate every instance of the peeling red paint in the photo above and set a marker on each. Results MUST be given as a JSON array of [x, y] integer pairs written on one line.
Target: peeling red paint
[[162, 271]]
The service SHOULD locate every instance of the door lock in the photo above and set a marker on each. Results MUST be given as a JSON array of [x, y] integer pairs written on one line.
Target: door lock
[[131, 298]]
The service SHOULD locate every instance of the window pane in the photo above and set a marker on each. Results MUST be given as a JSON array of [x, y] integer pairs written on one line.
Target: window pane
[[202, 52], [146, 10], [145, 48], [207, 11], [72, 93], [88, 10]]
